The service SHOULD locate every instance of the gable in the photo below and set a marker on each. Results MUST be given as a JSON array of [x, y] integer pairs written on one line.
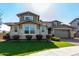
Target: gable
[[22, 16], [27, 13], [74, 20]]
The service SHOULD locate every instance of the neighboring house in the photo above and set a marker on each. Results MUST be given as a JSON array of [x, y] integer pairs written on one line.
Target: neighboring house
[[60, 30], [75, 24], [29, 24]]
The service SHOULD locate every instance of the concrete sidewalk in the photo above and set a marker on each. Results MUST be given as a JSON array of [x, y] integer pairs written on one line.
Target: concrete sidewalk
[[66, 51]]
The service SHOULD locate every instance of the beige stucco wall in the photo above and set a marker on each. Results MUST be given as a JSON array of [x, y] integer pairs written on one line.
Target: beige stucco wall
[[12, 30], [35, 18], [22, 34]]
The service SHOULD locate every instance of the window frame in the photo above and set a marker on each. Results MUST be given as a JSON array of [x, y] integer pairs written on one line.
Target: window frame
[[42, 29], [30, 29], [26, 30], [55, 23], [33, 29], [78, 23], [28, 16]]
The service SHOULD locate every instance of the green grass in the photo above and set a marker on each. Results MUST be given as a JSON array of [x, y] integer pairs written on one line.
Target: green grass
[[63, 44], [20, 48]]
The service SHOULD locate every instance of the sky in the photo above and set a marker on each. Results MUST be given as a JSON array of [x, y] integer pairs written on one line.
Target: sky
[[64, 12]]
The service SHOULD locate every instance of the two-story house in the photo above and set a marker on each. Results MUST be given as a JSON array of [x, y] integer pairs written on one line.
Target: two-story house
[[59, 29], [75, 23], [29, 24]]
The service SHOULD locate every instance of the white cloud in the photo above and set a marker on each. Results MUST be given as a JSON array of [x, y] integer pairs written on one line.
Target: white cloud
[[4, 27], [40, 7]]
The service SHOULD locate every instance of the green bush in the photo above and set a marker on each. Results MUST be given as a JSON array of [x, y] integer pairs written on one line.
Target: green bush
[[16, 37], [55, 38], [39, 36], [48, 36], [29, 37]]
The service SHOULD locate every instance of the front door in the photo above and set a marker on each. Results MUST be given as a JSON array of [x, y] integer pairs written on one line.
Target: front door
[[49, 30]]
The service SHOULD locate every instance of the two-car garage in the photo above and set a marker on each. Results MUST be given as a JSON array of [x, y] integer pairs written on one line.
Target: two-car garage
[[62, 32]]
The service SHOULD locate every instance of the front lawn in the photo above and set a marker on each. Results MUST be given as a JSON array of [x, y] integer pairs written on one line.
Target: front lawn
[[20, 48]]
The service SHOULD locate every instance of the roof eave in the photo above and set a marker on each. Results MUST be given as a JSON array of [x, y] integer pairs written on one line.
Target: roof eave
[[26, 12]]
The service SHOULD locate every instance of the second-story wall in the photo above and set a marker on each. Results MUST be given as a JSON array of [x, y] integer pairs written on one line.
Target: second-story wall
[[33, 17]]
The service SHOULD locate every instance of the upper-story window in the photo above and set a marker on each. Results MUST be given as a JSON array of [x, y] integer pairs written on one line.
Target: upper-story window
[[27, 18], [55, 23], [78, 23]]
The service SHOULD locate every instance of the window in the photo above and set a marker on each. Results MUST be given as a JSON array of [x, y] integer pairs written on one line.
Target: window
[[77, 30], [78, 23], [27, 18], [15, 29], [42, 28], [32, 30], [55, 23], [29, 29]]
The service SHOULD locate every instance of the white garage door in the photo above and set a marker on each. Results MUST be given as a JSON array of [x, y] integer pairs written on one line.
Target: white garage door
[[62, 33]]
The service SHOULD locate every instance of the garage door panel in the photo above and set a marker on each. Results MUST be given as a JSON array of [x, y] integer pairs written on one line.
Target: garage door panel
[[61, 33]]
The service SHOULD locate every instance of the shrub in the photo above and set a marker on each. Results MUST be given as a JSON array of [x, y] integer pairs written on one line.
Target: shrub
[[16, 37], [6, 36], [48, 37], [55, 39], [53, 35], [29, 37], [39, 37]]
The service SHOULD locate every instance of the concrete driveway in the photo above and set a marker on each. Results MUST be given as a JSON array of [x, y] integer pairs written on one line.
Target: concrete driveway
[[74, 41], [67, 51]]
